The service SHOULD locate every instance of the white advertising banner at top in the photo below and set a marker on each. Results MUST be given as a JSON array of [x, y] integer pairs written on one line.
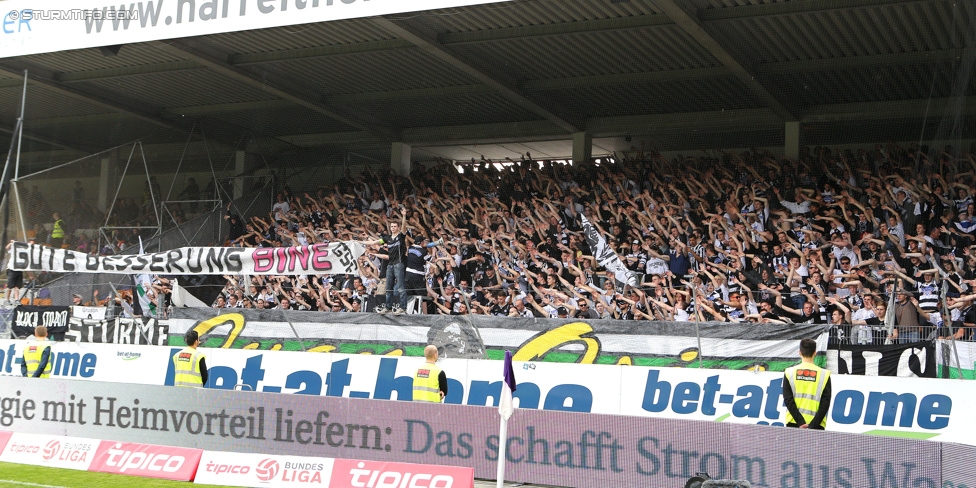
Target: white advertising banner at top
[[33, 27]]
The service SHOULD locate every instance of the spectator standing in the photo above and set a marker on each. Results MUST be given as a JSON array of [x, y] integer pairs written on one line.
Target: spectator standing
[[192, 193], [396, 245], [78, 193]]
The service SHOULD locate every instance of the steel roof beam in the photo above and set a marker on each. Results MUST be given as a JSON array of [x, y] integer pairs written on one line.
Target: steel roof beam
[[787, 67], [12, 82], [858, 62], [532, 130], [110, 117], [279, 88], [549, 30], [332, 138], [440, 52], [121, 72], [318, 52], [696, 30], [625, 79], [420, 93], [222, 108], [795, 7], [757, 119], [746, 119], [42, 140], [44, 79], [900, 109]]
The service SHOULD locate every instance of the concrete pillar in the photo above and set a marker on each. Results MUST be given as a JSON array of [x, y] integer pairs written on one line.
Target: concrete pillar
[[582, 147], [400, 158], [791, 147], [240, 166], [106, 190]]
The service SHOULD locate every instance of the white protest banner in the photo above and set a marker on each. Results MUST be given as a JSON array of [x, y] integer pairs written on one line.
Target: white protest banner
[[332, 258], [32, 27]]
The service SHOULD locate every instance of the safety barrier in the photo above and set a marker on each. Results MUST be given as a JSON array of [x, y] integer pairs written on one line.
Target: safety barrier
[[920, 408], [725, 346], [546, 447], [221, 468]]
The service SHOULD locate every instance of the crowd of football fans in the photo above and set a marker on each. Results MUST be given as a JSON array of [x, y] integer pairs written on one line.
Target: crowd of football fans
[[832, 237]]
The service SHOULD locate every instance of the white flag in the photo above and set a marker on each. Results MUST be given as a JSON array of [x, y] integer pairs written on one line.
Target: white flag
[[605, 255]]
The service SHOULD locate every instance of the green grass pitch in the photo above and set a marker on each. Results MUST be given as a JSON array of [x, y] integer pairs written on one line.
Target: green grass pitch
[[28, 476]]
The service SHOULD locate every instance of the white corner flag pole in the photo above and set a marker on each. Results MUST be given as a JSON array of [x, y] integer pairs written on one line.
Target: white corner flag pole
[[502, 442], [505, 410]]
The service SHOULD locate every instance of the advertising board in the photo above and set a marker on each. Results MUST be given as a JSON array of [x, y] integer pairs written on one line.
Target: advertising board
[[240, 469], [576, 449], [352, 473], [96, 362], [918, 407], [49, 450], [147, 460]]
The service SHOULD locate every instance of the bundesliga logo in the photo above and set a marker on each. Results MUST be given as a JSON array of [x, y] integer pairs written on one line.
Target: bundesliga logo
[[266, 470], [51, 450]]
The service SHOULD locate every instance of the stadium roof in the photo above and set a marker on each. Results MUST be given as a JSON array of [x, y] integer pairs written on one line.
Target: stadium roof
[[506, 78]]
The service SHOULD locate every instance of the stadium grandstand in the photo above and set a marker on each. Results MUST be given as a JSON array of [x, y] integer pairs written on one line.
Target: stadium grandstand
[[660, 195], [741, 164]]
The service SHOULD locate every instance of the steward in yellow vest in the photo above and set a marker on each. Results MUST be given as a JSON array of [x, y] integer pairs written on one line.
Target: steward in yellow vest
[[806, 391], [190, 364], [429, 381], [37, 362], [57, 232]]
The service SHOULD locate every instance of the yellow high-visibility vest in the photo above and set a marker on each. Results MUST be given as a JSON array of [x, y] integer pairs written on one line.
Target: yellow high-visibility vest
[[187, 367], [807, 381], [32, 357], [426, 388], [58, 231]]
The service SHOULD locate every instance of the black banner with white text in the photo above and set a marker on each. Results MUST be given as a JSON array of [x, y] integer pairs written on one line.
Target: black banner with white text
[[26, 318], [905, 360]]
